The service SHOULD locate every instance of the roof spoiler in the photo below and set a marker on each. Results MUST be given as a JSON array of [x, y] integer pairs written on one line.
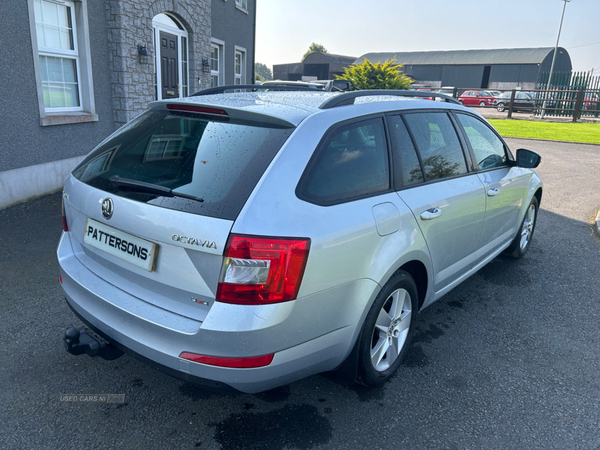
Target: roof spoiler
[[219, 113]]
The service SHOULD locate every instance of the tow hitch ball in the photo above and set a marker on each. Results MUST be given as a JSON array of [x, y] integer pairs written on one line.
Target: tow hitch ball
[[79, 341]]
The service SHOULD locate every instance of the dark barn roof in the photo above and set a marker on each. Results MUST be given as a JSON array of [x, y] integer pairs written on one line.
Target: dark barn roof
[[464, 57], [328, 58]]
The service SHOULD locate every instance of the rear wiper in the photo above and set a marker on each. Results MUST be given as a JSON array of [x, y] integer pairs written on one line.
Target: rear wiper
[[150, 188]]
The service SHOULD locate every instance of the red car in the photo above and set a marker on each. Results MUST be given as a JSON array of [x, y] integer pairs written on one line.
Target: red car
[[591, 102], [426, 90], [475, 98]]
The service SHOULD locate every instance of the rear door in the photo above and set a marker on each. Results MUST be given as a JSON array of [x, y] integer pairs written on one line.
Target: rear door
[[446, 198]]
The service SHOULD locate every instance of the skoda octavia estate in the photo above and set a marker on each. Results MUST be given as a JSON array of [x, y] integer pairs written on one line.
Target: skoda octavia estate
[[248, 239]]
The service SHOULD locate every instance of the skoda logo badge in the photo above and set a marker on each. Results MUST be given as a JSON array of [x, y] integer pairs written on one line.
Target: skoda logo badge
[[107, 208]]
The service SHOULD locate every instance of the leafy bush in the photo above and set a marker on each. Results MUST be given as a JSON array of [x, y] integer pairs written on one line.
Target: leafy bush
[[385, 75]]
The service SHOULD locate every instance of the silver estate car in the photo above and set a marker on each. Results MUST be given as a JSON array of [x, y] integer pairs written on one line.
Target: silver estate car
[[248, 239]]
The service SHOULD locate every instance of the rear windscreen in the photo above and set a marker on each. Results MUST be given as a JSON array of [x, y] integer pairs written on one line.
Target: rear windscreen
[[217, 161]]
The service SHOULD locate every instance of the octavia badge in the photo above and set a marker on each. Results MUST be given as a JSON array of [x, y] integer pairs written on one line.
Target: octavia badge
[[107, 208]]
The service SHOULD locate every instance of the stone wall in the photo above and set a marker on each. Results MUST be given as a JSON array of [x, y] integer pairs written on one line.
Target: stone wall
[[130, 24]]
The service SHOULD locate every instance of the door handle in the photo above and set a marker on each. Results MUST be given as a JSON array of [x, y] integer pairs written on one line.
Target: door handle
[[493, 192], [431, 213]]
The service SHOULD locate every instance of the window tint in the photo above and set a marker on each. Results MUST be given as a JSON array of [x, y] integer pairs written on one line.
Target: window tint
[[353, 162], [437, 144], [488, 148], [408, 161], [220, 162]]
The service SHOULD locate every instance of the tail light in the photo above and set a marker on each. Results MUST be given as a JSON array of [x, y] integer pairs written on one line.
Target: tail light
[[262, 270], [64, 216]]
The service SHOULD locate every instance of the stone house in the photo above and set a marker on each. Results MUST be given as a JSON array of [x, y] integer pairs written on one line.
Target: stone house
[[85, 67]]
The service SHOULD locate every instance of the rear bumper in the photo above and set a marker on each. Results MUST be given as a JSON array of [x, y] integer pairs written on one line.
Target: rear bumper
[[307, 336], [207, 384]]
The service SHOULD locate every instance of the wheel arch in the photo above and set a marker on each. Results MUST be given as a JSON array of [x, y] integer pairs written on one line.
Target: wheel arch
[[417, 270], [538, 194]]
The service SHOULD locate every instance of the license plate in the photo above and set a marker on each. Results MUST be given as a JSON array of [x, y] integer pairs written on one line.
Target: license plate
[[123, 245]]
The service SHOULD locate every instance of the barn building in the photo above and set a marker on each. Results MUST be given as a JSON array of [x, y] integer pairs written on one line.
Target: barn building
[[487, 69], [317, 66]]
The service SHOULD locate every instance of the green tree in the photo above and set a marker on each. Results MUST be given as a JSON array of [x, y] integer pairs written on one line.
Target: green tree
[[314, 48], [385, 75], [263, 73]]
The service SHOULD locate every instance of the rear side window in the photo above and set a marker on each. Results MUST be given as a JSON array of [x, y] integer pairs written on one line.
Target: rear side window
[[219, 162], [487, 147], [408, 159], [351, 163], [438, 145]]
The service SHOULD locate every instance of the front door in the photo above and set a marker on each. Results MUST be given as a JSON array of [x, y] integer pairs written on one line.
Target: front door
[[505, 185], [169, 64]]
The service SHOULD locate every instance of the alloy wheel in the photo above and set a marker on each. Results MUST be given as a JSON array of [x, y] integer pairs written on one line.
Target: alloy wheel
[[391, 330], [527, 229]]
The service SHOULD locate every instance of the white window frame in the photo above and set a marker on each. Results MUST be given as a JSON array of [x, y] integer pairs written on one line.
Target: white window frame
[[86, 111], [220, 45], [242, 5], [158, 27], [241, 76]]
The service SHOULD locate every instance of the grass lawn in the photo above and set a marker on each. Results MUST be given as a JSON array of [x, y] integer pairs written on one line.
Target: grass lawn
[[588, 133]]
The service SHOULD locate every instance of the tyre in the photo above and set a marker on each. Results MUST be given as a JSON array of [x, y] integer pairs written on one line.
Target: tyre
[[500, 107], [386, 331], [522, 240], [481, 103], [461, 102]]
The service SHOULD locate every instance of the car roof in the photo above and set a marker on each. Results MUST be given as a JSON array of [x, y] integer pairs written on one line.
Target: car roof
[[294, 106]]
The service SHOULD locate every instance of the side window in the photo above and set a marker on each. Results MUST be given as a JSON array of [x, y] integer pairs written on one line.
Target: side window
[[437, 144], [351, 163], [406, 153], [488, 148]]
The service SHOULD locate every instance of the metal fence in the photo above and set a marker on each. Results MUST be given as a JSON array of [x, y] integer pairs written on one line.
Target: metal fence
[[571, 94]]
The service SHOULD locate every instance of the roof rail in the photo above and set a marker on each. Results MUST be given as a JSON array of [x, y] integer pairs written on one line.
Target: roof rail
[[254, 87], [347, 98]]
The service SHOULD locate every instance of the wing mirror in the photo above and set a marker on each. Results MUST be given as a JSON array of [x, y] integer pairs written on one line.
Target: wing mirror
[[528, 159]]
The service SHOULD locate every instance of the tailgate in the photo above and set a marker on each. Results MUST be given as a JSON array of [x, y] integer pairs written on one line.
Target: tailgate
[[183, 251]]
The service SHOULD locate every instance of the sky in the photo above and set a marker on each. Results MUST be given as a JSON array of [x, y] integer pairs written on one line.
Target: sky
[[285, 28]]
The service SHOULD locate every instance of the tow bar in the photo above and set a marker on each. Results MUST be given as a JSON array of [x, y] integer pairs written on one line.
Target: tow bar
[[81, 340]]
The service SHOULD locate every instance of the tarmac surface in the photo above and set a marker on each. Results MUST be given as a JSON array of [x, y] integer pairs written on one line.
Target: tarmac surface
[[508, 360]]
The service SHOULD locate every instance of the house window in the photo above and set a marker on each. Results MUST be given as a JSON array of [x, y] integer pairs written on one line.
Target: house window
[[215, 65], [240, 66], [184, 67], [60, 41], [242, 4], [58, 55]]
